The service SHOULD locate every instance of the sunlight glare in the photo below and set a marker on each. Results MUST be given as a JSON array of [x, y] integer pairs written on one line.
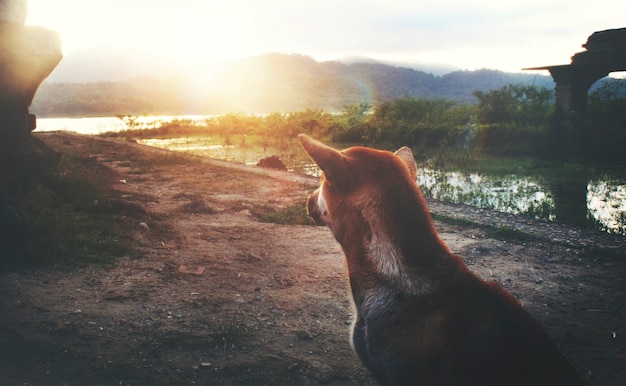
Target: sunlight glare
[[189, 31], [200, 33], [618, 75]]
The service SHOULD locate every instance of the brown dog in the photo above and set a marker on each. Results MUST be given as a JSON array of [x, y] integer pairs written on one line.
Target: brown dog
[[422, 318]]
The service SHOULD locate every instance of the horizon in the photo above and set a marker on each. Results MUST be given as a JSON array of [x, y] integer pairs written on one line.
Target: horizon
[[109, 64], [488, 34]]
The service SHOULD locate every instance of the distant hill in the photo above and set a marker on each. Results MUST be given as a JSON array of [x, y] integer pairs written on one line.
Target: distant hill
[[99, 64], [110, 65], [266, 83]]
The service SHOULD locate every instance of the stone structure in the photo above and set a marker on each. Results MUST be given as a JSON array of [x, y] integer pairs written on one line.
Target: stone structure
[[605, 53], [28, 56]]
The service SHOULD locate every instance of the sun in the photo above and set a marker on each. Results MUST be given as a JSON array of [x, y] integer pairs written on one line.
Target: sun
[[199, 32], [187, 30]]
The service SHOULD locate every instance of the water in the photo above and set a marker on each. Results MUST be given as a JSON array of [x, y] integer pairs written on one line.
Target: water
[[241, 149], [99, 125], [606, 202], [511, 193], [600, 202]]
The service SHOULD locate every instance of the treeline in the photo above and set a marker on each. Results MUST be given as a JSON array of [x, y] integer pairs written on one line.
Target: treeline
[[135, 96], [267, 83], [604, 127], [515, 119]]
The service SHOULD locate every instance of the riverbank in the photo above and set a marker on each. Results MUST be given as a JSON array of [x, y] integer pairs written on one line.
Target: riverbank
[[217, 296]]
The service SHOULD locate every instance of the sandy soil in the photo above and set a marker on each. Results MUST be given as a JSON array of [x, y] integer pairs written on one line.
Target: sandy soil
[[216, 297]]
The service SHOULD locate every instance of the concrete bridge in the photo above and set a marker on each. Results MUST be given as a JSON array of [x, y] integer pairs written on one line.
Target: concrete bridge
[[605, 53]]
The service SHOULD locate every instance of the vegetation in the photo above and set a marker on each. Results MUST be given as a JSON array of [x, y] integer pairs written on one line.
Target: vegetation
[[291, 215], [605, 124], [510, 130], [499, 232], [514, 120], [54, 218]]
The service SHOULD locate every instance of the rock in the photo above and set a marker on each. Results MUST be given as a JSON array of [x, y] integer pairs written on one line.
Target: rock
[[198, 271], [199, 206], [127, 208], [272, 162], [304, 335], [245, 213]]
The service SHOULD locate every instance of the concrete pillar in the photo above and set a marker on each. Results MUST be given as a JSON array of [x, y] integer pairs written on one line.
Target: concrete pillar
[[27, 56], [572, 84]]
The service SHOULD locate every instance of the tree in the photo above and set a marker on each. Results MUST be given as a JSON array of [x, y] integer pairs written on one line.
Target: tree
[[515, 103], [514, 119], [352, 125], [419, 122], [605, 138], [131, 121], [276, 126]]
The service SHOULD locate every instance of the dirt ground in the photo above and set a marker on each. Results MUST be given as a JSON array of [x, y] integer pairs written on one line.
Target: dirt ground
[[223, 299]]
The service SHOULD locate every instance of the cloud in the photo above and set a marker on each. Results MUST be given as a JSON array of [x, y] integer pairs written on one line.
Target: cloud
[[478, 34]]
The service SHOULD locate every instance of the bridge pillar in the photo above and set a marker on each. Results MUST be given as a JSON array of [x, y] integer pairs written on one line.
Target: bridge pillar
[[28, 56], [572, 84], [605, 53]]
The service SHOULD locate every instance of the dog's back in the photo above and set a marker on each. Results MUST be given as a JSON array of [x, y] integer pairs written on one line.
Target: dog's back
[[421, 316], [469, 334]]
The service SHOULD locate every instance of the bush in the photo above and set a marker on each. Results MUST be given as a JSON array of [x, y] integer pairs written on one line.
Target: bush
[[511, 139]]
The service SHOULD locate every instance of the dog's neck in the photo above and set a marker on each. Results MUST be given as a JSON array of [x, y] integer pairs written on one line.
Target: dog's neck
[[402, 249]]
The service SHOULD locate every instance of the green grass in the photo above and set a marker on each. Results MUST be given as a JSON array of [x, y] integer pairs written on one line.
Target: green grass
[[500, 232], [291, 215], [460, 221]]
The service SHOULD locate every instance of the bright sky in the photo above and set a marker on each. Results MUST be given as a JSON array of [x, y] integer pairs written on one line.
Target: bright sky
[[495, 34]]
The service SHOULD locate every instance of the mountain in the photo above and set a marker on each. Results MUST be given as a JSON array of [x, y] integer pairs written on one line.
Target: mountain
[[265, 83], [438, 69], [100, 64], [110, 64]]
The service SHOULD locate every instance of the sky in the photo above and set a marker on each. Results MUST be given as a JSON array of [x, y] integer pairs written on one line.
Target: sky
[[494, 34]]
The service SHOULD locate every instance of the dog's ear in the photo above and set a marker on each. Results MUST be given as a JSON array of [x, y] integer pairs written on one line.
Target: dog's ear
[[406, 155], [328, 159]]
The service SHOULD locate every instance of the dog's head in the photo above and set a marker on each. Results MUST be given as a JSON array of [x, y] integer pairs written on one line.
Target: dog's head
[[358, 184]]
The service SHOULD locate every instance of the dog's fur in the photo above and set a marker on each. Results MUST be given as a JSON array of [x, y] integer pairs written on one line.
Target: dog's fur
[[422, 318]]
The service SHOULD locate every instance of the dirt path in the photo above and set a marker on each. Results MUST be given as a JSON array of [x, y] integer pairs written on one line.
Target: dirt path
[[219, 298]]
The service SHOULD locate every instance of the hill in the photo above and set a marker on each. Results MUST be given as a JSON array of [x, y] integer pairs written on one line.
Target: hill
[[266, 83]]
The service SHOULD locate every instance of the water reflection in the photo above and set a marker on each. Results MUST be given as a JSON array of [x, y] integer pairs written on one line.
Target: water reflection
[[511, 194], [99, 125], [241, 151], [601, 203], [606, 203]]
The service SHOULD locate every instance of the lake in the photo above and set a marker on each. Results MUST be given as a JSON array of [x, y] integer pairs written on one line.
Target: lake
[[599, 202], [99, 125]]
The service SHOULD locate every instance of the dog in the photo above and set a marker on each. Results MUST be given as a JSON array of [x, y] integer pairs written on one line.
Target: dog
[[422, 318]]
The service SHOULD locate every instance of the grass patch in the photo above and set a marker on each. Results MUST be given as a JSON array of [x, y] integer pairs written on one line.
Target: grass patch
[[291, 215], [228, 334], [460, 221], [500, 232], [149, 160], [53, 218]]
